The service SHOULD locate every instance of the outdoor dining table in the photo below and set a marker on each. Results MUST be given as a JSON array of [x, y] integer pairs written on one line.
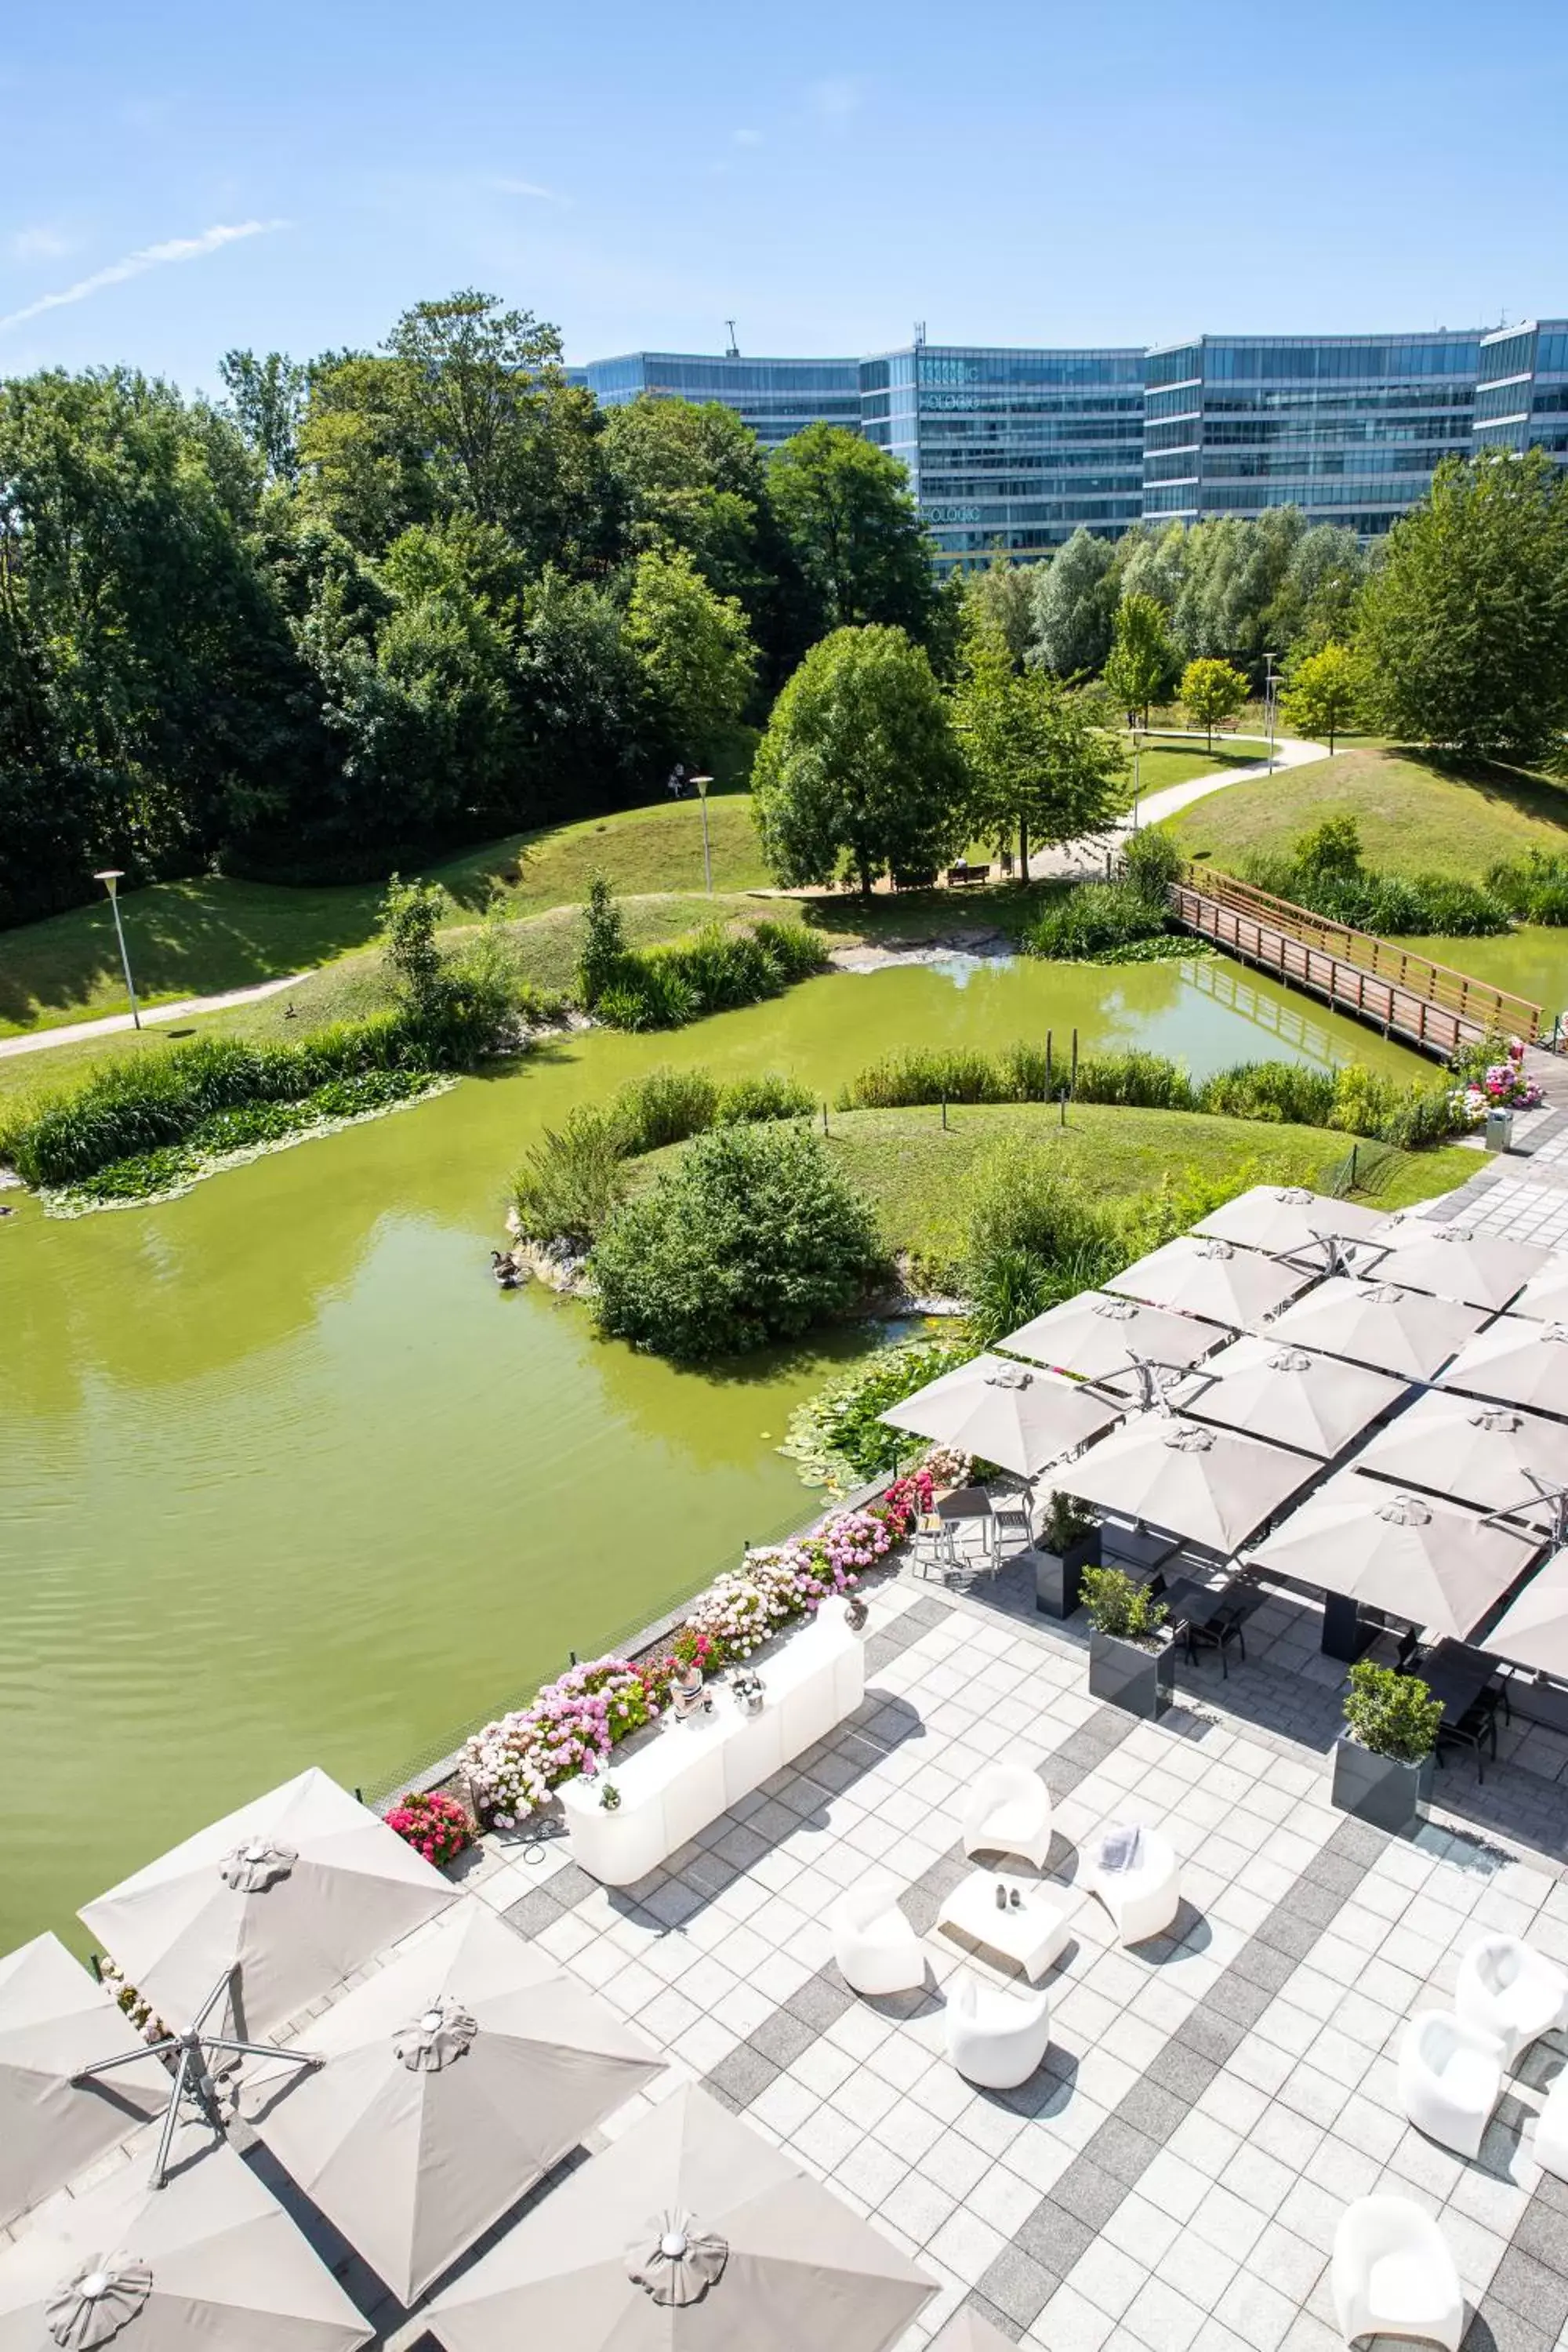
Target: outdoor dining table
[[965, 1503]]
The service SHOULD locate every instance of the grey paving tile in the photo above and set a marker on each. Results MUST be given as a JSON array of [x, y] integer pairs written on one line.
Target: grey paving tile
[[1530, 2289], [1089, 2191], [1283, 1931], [533, 1911], [1495, 2328], [1056, 2237], [1019, 2285], [1152, 2109], [1180, 2069], [782, 2037], [1211, 2034], [1117, 2149], [1261, 1964], [820, 2000], [993, 2316], [1238, 1998], [742, 2074]]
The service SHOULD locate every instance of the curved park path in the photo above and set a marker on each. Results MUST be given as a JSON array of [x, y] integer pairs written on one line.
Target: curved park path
[[35, 1040], [1289, 753]]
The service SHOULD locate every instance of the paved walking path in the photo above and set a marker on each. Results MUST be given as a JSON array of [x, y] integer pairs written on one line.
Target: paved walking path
[[35, 1040], [1289, 752]]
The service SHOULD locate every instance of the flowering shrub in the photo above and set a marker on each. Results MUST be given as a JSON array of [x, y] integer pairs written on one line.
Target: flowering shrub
[[571, 1728], [1500, 1083], [908, 1499], [436, 1826], [140, 2010], [512, 1765], [948, 1467]]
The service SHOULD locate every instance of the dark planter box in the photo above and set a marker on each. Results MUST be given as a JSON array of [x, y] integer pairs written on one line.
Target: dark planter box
[[1379, 1789], [1056, 1574], [1125, 1675]]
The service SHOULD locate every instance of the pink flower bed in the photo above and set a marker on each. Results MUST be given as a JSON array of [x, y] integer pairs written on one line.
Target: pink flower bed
[[514, 1764], [434, 1825]]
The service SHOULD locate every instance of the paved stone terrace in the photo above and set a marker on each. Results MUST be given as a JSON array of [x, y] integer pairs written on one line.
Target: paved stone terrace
[[1211, 2101]]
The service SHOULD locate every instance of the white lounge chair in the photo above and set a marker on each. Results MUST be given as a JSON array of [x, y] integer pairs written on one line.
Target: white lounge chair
[[1510, 1991], [1551, 2130], [1451, 2079], [1144, 1894], [1009, 1812], [994, 2038], [877, 1949], [1393, 2274]]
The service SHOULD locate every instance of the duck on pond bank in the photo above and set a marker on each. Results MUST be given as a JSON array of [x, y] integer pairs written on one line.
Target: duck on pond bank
[[508, 1268]]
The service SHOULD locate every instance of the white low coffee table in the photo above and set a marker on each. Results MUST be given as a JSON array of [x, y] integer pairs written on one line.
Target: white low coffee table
[[1034, 1935]]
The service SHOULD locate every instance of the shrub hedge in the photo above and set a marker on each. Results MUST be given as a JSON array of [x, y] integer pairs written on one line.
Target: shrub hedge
[[720, 970]]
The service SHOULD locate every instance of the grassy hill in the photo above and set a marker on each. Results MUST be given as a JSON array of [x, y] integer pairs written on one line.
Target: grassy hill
[[1416, 814], [915, 1171]]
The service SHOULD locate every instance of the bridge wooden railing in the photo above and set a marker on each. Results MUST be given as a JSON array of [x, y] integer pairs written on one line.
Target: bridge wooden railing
[[1431, 1004]]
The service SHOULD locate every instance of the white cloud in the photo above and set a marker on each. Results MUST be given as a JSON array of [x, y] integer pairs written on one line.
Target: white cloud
[[39, 243], [150, 256], [836, 98], [527, 188]]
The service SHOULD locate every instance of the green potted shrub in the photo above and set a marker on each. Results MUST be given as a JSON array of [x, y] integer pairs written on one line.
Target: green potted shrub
[[1384, 1759], [1069, 1543], [1131, 1663]]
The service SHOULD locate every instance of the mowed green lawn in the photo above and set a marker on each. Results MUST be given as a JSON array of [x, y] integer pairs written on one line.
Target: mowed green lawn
[[915, 1171], [1415, 815], [202, 938]]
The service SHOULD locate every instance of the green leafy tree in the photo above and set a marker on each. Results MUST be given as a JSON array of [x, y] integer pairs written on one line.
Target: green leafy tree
[[1322, 694], [1002, 597], [1232, 571], [410, 919], [862, 553], [754, 1237], [266, 401], [604, 940], [1075, 604], [1045, 767], [1316, 602], [859, 771], [1463, 624], [695, 649], [1143, 661], [583, 714], [694, 478], [1212, 692]]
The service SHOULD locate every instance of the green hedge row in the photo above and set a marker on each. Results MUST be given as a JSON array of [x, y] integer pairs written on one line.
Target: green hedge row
[[148, 1174], [663, 988], [1353, 1100]]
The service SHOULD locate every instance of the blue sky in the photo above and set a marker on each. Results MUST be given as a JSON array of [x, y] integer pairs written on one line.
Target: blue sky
[[178, 178]]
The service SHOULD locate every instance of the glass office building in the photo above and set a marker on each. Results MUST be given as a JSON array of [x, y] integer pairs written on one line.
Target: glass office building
[[1521, 398], [776, 397], [1016, 448], [1347, 427], [1019, 448]]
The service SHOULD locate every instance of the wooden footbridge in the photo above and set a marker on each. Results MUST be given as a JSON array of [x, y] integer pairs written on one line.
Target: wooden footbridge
[[1404, 995]]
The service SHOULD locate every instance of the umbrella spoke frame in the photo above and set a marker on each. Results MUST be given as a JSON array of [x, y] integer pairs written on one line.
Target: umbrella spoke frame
[[194, 2076]]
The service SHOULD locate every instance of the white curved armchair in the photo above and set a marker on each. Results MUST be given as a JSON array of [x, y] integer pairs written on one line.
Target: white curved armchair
[[1142, 1899], [1451, 2079], [1393, 2274], [994, 2038], [1510, 1991], [1009, 1812], [877, 1949], [1551, 2130]]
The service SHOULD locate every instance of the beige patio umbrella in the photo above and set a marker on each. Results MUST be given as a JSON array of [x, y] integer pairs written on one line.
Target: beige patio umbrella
[[1400, 1331], [1209, 1486], [1478, 1451], [690, 2235], [1290, 1396], [1285, 1221], [211, 2264], [1433, 1563], [294, 1891], [1211, 1278], [1004, 1412], [1533, 1630], [1450, 1261], [1544, 1298], [452, 2079], [54, 2020], [1516, 1361], [1100, 1337]]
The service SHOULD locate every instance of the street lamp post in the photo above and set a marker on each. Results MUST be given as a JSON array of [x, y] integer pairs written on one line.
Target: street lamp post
[[703, 783], [1271, 700], [1137, 773], [110, 877]]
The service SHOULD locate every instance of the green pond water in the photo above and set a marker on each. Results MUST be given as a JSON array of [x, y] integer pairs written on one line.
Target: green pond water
[[1531, 961], [284, 1479]]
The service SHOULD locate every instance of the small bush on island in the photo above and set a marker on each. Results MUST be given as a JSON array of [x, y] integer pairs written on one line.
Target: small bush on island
[[663, 988], [1089, 917], [1324, 872], [1533, 888], [752, 1236]]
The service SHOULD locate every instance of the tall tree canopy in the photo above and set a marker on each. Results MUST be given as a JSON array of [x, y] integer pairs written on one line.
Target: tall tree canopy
[[856, 534], [1464, 626], [859, 773], [1074, 603], [1045, 764], [695, 649]]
